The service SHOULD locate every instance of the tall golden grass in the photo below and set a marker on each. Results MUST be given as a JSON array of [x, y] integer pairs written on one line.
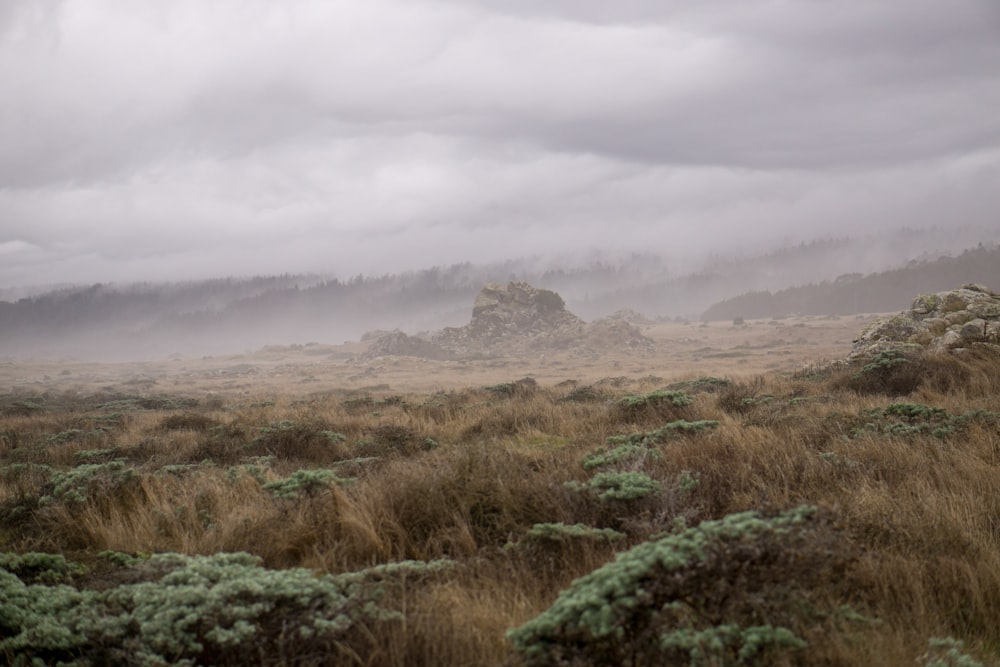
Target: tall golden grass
[[464, 475]]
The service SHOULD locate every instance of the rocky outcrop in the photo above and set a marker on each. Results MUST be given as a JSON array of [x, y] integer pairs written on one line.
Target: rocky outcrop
[[519, 310], [942, 322], [515, 319], [397, 343]]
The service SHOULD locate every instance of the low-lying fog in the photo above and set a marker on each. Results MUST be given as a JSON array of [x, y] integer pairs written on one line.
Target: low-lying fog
[[132, 321]]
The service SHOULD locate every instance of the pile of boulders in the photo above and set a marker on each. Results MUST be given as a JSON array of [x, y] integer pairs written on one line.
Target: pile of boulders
[[943, 322], [397, 343]]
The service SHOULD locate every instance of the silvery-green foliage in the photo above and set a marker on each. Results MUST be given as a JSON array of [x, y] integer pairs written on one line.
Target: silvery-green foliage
[[40, 567], [618, 486], [219, 609], [636, 447], [686, 598], [559, 532], [78, 484], [710, 646], [659, 397], [309, 482], [947, 652]]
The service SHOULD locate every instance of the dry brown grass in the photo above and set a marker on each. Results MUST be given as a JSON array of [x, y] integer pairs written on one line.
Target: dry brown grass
[[465, 474]]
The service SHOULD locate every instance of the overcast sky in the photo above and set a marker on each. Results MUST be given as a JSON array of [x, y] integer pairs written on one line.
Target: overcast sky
[[144, 139]]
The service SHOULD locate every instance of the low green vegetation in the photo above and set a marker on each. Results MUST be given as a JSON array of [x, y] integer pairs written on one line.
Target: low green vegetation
[[223, 609], [676, 600]]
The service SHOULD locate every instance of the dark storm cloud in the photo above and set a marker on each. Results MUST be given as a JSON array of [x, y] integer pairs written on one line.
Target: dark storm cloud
[[155, 140]]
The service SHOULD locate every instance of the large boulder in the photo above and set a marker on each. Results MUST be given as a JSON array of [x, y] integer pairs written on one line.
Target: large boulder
[[942, 322], [518, 309]]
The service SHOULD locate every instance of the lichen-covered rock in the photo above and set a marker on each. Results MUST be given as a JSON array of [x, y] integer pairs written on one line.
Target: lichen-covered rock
[[941, 322]]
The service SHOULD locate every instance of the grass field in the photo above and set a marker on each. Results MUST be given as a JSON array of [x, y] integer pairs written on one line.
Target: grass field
[[404, 512]]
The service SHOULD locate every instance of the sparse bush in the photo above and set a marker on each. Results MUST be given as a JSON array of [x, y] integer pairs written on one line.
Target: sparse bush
[[187, 421], [740, 398], [290, 440], [104, 454], [898, 373], [132, 403], [523, 387], [389, 439], [706, 384], [688, 481], [663, 434]]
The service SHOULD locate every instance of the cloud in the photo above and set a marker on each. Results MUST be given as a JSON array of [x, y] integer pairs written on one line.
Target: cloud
[[198, 138]]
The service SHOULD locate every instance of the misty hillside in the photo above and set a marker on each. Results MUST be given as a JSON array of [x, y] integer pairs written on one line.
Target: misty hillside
[[873, 293], [155, 320]]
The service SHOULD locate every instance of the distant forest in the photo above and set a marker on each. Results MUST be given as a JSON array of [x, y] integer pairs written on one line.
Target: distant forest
[[874, 293], [232, 315]]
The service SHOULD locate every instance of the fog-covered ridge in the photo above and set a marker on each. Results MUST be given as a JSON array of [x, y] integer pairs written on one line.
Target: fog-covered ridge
[[230, 315]]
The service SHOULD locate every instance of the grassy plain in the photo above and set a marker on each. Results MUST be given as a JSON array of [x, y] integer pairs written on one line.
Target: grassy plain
[[313, 457]]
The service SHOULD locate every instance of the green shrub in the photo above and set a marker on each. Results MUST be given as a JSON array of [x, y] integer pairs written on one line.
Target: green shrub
[[543, 533], [121, 559], [69, 435], [223, 609], [87, 481], [92, 455], [635, 404], [667, 432], [309, 482], [688, 481], [40, 567], [891, 372], [723, 643], [707, 384], [947, 652], [883, 362], [621, 453], [696, 597], [906, 419], [619, 486]]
